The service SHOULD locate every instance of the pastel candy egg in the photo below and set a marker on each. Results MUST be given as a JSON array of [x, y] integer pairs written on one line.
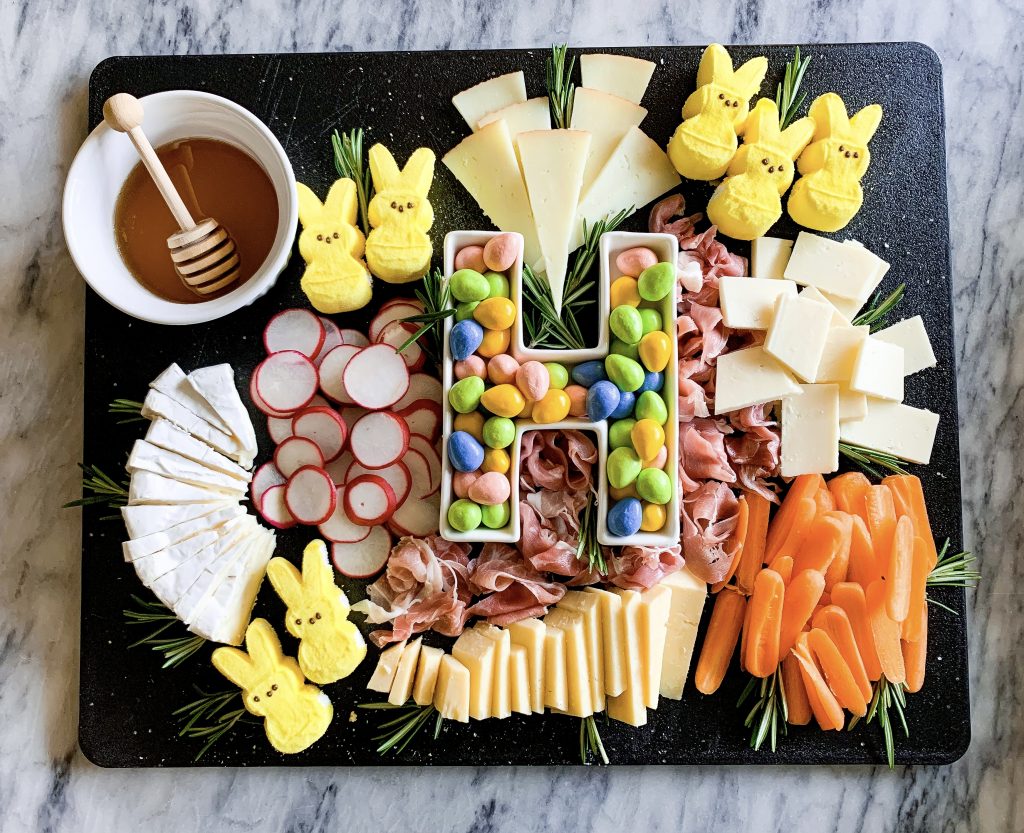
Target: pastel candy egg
[[619, 348], [501, 251], [626, 324], [625, 407], [501, 369], [557, 374], [496, 460], [464, 395], [620, 433], [533, 380], [464, 452], [602, 400], [472, 423], [648, 438], [554, 407], [625, 517], [503, 400], [624, 372], [527, 411], [498, 432], [587, 373], [652, 381], [490, 489], [498, 284], [651, 320], [464, 312], [495, 313], [464, 339], [654, 486], [656, 281], [494, 342], [464, 515], [462, 480], [660, 459], [655, 350], [624, 291], [653, 517], [471, 257], [650, 405], [468, 285], [577, 400], [495, 517], [625, 491], [470, 366], [622, 467], [633, 261]]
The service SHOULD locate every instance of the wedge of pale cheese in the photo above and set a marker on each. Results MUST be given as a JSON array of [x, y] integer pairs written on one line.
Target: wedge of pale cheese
[[158, 404], [519, 680], [146, 487], [629, 707], [426, 675], [387, 666], [490, 95], [589, 606], [216, 386], [476, 652], [501, 686], [532, 114], [174, 383], [167, 435], [145, 520], [529, 634], [810, 431], [606, 118], [154, 542], [147, 457], [556, 690], [613, 635], [688, 594], [577, 672], [655, 604], [452, 691], [620, 75], [405, 674]]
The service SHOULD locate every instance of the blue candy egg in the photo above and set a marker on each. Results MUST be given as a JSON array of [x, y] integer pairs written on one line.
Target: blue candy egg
[[464, 452], [465, 337], [589, 372], [652, 381], [624, 518], [602, 400], [625, 407]]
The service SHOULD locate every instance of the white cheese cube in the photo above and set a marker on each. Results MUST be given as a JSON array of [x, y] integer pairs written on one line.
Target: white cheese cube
[[452, 691], [654, 609], [749, 303], [500, 692], [519, 679], [838, 318], [685, 607], [629, 707], [620, 75], [893, 428], [847, 307], [852, 405], [426, 675], [556, 690], [842, 270], [749, 377], [589, 606], [490, 95], [878, 370], [577, 674], [840, 354], [769, 256], [797, 333], [529, 633], [612, 635], [384, 674], [810, 432], [405, 674], [476, 652], [913, 338]]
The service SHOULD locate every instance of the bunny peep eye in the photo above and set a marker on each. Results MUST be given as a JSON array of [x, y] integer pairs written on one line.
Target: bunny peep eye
[[255, 698], [335, 235], [270, 693], [312, 620], [395, 204], [856, 155], [764, 161], [409, 205], [298, 621], [771, 169], [318, 615], [319, 237], [842, 148], [721, 96], [736, 104], [274, 687]]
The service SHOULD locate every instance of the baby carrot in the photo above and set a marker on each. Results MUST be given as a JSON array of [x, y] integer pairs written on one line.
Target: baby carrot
[[753, 548], [829, 535], [802, 594], [840, 564], [799, 525], [863, 569], [803, 487], [823, 499], [837, 673], [826, 708], [849, 491], [886, 634], [784, 567], [915, 654], [720, 641], [908, 497], [850, 597], [798, 707], [833, 620], [762, 654], [911, 627], [899, 576], [881, 523], [744, 634], [737, 542]]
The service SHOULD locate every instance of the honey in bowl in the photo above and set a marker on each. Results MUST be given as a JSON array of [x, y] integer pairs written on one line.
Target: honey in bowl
[[214, 179]]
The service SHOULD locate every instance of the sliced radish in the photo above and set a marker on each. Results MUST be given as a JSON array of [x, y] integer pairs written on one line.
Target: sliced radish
[[365, 558], [338, 469], [280, 428], [419, 468], [369, 500], [332, 339], [394, 310], [274, 509], [426, 448], [332, 372], [410, 302], [265, 476], [351, 414], [397, 334], [286, 381], [339, 528], [424, 418], [379, 439], [375, 377], [323, 426], [257, 400], [354, 337], [294, 330], [417, 517], [296, 452], [421, 386], [397, 475], [310, 495]]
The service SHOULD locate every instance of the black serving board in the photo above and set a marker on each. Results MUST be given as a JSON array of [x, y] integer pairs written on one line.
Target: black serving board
[[402, 99]]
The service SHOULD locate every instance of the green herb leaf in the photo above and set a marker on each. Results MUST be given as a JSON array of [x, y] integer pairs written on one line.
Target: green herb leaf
[[879, 308], [887, 697], [208, 717], [952, 570], [175, 649], [870, 461], [591, 745], [349, 162], [588, 549], [769, 712], [561, 90], [788, 98], [436, 298], [102, 489], [129, 408], [397, 733]]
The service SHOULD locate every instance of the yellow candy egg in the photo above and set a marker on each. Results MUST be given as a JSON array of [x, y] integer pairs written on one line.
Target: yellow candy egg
[[495, 342], [503, 401], [527, 412], [655, 350], [624, 291], [625, 491], [653, 517], [495, 313], [472, 423], [496, 459], [648, 437], [554, 407]]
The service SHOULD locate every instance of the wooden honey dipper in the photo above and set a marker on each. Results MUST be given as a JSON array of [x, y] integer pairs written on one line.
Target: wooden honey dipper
[[204, 254]]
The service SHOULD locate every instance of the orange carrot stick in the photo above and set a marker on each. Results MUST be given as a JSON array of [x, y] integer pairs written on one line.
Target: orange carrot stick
[[798, 707], [799, 524], [762, 653], [840, 564], [754, 547], [837, 673], [910, 630], [803, 487], [736, 544], [915, 654], [901, 571], [784, 567], [908, 497], [886, 634], [829, 535], [833, 620], [802, 595], [881, 524], [863, 568], [826, 708], [720, 641], [823, 499], [744, 635], [848, 491], [850, 597]]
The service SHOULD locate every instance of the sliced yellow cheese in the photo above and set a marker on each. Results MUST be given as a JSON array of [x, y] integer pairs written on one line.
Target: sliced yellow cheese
[[842, 269], [769, 256], [911, 335], [897, 429], [847, 307], [529, 634], [620, 75], [629, 707], [797, 333], [852, 404], [556, 692], [426, 675], [476, 652], [878, 369], [384, 674], [810, 431], [401, 686], [684, 612], [532, 114], [606, 118], [519, 680], [490, 95], [654, 610], [589, 606], [749, 303], [452, 692], [749, 377], [612, 637], [577, 672], [500, 691], [842, 346], [838, 316]]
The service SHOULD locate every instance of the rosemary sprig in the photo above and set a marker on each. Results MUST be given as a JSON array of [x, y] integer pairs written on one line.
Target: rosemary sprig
[[769, 713], [436, 298], [788, 97], [131, 410], [591, 745], [561, 90], [588, 549], [872, 462], [398, 732], [887, 696], [349, 162], [952, 570], [176, 649], [207, 717], [879, 308], [103, 490]]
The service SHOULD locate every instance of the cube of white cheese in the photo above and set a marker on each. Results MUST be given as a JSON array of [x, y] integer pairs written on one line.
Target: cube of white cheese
[[500, 692], [529, 633], [810, 431], [405, 674], [913, 338], [685, 608], [452, 691], [655, 604], [893, 428], [612, 635], [426, 675], [798, 332], [750, 377], [878, 370], [749, 303], [842, 270], [852, 405], [589, 606], [769, 256], [519, 680], [384, 674], [556, 690], [577, 674], [476, 652], [629, 707], [842, 346]]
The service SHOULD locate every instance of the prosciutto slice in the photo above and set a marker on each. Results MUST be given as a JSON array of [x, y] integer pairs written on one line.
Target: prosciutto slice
[[640, 568], [511, 588], [709, 518], [558, 461]]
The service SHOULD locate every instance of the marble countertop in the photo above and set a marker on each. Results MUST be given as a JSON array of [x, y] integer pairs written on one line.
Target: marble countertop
[[48, 49]]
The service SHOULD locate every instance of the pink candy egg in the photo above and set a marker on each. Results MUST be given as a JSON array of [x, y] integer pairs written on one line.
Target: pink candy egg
[[659, 460], [490, 489], [533, 380], [473, 366], [633, 261], [471, 257], [577, 400], [501, 369], [462, 482], [501, 252]]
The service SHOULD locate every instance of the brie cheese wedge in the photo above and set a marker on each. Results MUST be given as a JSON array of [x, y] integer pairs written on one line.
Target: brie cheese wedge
[[156, 541], [216, 386], [158, 404], [169, 436], [148, 457], [174, 383]]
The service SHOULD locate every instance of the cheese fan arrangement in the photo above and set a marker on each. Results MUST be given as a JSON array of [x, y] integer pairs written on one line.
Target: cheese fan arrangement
[[536, 520]]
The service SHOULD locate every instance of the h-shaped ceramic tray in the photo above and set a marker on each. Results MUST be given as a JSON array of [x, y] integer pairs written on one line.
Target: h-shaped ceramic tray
[[403, 99]]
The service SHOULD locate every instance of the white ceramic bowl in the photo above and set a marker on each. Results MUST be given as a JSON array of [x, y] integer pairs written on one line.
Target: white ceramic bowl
[[104, 162]]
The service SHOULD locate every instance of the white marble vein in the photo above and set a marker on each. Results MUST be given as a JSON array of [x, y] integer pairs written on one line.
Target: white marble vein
[[47, 49]]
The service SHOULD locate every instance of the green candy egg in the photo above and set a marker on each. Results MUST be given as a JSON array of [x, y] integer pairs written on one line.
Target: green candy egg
[[469, 285], [498, 285], [620, 348], [466, 310], [495, 517], [623, 467], [626, 373], [656, 281], [625, 322], [650, 405], [499, 432], [464, 515], [651, 320], [654, 486], [620, 433], [464, 395], [558, 374]]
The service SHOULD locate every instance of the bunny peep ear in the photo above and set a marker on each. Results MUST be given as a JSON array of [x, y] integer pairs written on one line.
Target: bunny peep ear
[[763, 122], [715, 66], [342, 201], [235, 665], [286, 580], [419, 171], [263, 645], [383, 168], [310, 207], [829, 114], [747, 79], [865, 122], [317, 572], [797, 136]]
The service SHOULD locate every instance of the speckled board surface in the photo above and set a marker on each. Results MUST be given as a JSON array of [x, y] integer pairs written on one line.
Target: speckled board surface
[[402, 99]]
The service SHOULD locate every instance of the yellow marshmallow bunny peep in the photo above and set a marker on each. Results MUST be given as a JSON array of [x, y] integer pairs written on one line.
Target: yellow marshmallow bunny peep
[[828, 193], [398, 249], [713, 115]]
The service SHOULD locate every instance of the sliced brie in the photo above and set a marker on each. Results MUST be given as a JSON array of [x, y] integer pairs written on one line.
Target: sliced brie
[[148, 457], [147, 487], [167, 435], [174, 383], [145, 520], [158, 404], [156, 541], [216, 386]]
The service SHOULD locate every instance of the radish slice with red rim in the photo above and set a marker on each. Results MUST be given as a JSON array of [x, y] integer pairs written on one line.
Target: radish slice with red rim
[[397, 475], [424, 447], [421, 386], [351, 414], [323, 426], [274, 509], [375, 377], [332, 372], [397, 334], [262, 406], [294, 330], [339, 528], [332, 339], [424, 418], [419, 468], [354, 337], [286, 381], [369, 500], [394, 310], [310, 495], [280, 428], [363, 559], [379, 439], [417, 517], [338, 469], [296, 452], [264, 477]]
